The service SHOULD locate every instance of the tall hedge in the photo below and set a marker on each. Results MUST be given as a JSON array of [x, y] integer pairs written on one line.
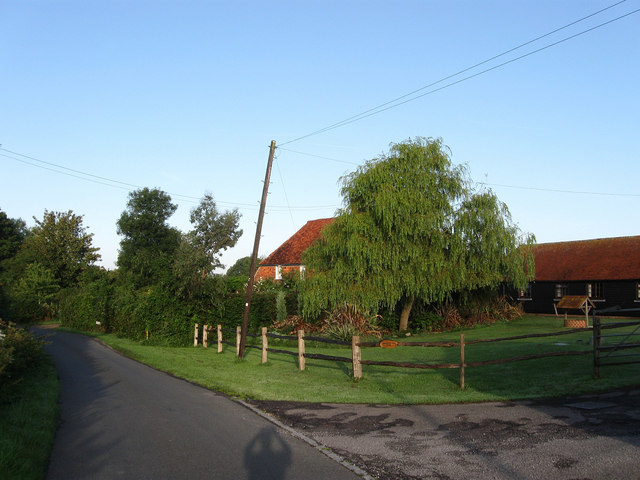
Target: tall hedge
[[100, 305], [87, 307], [263, 312]]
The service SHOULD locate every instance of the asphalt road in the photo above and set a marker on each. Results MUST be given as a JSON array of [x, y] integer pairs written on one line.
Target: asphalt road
[[122, 419], [593, 437]]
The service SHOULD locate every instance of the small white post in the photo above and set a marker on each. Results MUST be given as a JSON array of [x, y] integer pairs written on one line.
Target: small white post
[[195, 336], [219, 338]]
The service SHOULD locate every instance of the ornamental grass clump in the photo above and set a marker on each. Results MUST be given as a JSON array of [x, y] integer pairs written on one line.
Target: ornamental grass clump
[[348, 320], [292, 323]]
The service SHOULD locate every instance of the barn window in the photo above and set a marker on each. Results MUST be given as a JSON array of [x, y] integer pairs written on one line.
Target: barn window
[[278, 272], [525, 293], [561, 290], [595, 290]]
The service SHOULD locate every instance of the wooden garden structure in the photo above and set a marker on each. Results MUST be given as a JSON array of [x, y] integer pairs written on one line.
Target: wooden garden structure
[[575, 302]]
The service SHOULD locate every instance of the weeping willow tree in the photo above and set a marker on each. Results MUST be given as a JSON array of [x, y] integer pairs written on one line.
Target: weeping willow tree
[[413, 227]]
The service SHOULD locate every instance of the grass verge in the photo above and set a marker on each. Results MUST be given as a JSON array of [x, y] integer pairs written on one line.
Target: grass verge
[[28, 421], [325, 381]]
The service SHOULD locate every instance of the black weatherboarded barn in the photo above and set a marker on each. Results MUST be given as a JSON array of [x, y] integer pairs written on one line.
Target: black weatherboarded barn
[[605, 269]]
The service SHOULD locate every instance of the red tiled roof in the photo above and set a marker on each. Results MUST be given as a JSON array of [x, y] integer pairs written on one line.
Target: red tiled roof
[[601, 259], [290, 252], [615, 258]]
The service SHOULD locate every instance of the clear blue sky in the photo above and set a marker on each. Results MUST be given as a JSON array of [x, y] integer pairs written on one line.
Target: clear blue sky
[[187, 95]]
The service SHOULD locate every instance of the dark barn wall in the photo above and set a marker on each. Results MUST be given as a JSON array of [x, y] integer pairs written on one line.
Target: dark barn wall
[[620, 293], [541, 301]]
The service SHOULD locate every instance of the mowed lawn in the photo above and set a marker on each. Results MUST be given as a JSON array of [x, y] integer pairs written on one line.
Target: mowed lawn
[[329, 381]]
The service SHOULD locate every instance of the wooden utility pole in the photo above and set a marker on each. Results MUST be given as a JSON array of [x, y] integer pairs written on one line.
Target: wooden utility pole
[[254, 256]]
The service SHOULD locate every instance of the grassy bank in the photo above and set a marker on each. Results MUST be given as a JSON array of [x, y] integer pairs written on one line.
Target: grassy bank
[[325, 381], [28, 420]]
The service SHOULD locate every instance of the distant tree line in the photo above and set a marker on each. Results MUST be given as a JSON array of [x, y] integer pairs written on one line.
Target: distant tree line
[[163, 282]]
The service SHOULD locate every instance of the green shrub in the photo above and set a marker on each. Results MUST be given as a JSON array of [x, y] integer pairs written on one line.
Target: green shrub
[[124, 303], [167, 319], [427, 321], [89, 306], [281, 307], [236, 284], [263, 312], [389, 319], [19, 351]]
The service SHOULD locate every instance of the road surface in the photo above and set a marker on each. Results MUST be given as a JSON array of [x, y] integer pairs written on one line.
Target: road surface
[[592, 437], [123, 420]]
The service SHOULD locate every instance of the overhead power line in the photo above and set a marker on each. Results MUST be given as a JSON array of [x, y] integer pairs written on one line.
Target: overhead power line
[[518, 187], [318, 156], [85, 175], [396, 102], [284, 190], [573, 192], [78, 172], [110, 182], [62, 173]]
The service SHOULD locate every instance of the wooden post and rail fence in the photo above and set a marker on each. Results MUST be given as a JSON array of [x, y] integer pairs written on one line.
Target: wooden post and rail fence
[[610, 349], [603, 354]]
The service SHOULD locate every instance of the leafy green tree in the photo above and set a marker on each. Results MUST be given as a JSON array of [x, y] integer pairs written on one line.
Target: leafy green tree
[[412, 227], [61, 244], [12, 234], [148, 243], [213, 232], [241, 268], [199, 252], [35, 293], [188, 264]]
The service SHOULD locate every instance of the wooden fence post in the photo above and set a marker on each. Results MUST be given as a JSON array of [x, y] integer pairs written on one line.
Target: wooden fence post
[[195, 336], [357, 356], [301, 362], [265, 344], [219, 338], [238, 337], [205, 336], [462, 364]]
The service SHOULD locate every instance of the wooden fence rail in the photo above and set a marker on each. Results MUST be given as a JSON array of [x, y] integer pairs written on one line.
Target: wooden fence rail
[[605, 355], [356, 346]]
